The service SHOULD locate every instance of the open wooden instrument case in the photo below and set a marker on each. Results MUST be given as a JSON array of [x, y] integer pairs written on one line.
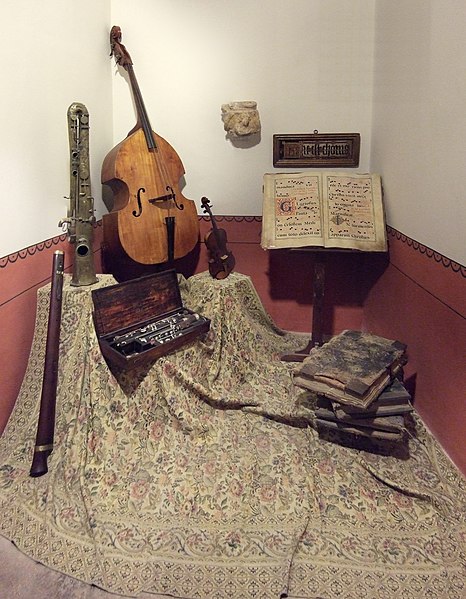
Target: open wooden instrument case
[[138, 321]]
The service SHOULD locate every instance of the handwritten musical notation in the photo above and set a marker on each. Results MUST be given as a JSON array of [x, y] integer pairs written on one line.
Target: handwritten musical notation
[[350, 208], [298, 210], [323, 209]]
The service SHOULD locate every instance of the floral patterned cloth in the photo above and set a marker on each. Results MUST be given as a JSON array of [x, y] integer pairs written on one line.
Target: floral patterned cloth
[[202, 476]]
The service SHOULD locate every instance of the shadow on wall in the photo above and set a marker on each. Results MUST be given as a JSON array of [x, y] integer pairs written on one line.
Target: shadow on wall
[[123, 268], [349, 277]]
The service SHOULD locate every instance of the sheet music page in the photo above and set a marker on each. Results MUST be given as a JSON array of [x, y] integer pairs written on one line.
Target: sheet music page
[[353, 211], [292, 211]]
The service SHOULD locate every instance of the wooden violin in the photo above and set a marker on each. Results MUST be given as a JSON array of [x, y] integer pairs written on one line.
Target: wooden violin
[[221, 260], [151, 222]]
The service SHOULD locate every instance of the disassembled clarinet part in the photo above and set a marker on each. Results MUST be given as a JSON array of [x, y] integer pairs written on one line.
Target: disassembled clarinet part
[[143, 343], [158, 326], [155, 333]]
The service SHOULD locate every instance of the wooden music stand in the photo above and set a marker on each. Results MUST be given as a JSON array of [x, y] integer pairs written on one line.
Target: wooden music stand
[[317, 332]]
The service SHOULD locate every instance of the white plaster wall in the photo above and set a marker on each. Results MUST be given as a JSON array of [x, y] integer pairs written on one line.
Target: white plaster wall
[[53, 53], [419, 127], [307, 63]]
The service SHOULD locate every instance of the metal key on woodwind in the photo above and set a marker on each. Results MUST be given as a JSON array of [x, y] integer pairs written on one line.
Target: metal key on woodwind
[[122, 340], [180, 325]]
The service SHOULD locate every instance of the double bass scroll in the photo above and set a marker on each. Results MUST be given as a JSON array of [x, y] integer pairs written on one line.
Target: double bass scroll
[[151, 222]]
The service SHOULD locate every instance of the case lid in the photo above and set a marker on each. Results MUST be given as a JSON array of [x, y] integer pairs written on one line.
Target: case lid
[[132, 303]]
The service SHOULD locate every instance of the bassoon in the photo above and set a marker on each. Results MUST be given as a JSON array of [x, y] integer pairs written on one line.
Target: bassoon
[[46, 422]]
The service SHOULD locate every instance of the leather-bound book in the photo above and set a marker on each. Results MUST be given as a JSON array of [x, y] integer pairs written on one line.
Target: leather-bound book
[[394, 424], [360, 430], [393, 400], [352, 368]]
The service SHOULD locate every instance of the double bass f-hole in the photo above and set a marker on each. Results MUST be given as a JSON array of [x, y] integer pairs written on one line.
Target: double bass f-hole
[[164, 198]]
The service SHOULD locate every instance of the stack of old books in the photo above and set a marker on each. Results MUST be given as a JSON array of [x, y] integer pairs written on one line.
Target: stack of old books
[[355, 378]]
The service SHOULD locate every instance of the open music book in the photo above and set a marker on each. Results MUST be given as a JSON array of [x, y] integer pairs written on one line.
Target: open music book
[[323, 209]]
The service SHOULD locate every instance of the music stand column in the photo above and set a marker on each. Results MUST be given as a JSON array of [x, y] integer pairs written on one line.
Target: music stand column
[[317, 332]]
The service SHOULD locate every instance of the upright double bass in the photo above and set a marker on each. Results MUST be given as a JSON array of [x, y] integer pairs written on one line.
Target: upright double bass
[[150, 222]]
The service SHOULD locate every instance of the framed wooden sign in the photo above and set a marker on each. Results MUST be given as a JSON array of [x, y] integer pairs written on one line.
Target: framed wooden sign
[[316, 150]]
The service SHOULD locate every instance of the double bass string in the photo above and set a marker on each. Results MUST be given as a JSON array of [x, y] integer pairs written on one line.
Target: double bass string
[[151, 143], [141, 109]]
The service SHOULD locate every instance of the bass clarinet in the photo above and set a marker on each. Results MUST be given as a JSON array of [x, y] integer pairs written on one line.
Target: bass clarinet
[[79, 223]]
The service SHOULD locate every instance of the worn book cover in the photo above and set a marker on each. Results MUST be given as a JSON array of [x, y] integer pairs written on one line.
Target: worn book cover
[[393, 400], [352, 368], [361, 431], [323, 209], [394, 424]]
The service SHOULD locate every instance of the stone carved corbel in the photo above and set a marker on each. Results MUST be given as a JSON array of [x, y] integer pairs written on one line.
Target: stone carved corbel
[[241, 118]]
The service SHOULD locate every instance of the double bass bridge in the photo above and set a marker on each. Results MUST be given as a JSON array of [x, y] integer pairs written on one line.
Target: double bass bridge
[[165, 198]]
